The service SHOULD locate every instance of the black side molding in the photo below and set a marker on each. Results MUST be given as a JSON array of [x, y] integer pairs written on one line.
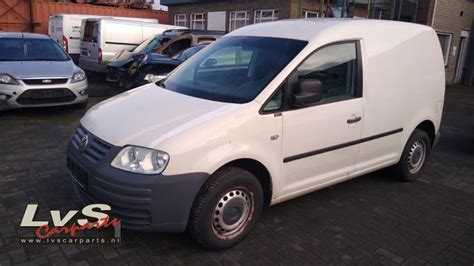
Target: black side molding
[[340, 146]]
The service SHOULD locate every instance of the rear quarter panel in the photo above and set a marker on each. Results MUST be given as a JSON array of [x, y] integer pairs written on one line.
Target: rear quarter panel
[[404, 85]]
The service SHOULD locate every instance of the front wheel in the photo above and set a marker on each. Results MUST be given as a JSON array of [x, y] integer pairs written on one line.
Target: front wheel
[[414, 157], [226, 209]]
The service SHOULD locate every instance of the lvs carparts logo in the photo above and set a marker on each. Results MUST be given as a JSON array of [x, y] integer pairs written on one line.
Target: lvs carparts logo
[[64, 228]]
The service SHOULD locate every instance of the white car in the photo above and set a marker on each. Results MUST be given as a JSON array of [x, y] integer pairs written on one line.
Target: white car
[[268, 113], [35, 72]]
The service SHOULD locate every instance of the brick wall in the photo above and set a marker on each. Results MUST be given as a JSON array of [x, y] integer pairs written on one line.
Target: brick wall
[[448, 19]]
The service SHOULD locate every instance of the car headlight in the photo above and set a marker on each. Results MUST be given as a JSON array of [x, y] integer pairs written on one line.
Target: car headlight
[[154, 78], [141, 160], [78, 76], [7, 79]]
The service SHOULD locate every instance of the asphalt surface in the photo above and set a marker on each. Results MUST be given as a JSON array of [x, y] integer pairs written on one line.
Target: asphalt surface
[[374, 219]]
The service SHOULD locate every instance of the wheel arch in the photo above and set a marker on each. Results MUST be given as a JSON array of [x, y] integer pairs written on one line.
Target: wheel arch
[[261, 173], [429, 127]]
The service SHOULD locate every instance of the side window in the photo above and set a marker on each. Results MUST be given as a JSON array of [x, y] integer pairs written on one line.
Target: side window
[[335, 67], [275, 103], [177, 47]]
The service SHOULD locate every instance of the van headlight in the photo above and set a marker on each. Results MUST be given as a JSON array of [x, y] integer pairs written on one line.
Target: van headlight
[[7, 79], [78, 76], [141, 160]]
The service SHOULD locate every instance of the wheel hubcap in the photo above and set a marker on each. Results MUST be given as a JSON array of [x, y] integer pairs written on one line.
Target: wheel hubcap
[[416, 157], [232, 212]]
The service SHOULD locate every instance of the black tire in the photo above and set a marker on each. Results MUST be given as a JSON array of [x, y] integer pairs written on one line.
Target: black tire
[[203, 226], [81, 106], [405, 169]]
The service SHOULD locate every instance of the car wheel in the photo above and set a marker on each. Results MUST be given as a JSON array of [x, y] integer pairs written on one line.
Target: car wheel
[[226, 208], [414, 157]]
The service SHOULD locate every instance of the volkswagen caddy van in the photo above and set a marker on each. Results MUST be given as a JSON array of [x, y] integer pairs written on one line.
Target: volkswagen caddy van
[[268, 113]]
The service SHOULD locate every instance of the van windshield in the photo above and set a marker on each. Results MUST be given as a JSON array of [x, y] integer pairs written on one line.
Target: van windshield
[[20, 49], [234, 69]]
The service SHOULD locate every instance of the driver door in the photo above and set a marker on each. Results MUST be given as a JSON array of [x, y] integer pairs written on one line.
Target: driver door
[[320, 140]]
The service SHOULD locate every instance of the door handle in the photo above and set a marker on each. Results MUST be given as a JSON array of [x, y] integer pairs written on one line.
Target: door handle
[[354, 119]]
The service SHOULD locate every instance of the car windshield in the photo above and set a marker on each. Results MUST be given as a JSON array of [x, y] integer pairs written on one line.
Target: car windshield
[[151, 44], [234, 69], [21, 49], [186, 54]]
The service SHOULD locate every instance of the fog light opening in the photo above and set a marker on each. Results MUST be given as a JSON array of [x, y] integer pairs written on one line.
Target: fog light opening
[[4, 97], [84, 92]]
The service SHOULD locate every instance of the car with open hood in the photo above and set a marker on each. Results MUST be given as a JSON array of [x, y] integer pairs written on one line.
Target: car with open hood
[[153, 67], [168, 44]]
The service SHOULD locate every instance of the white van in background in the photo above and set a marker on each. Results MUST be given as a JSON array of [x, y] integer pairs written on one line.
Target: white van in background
[[65, 29], [102, 38]]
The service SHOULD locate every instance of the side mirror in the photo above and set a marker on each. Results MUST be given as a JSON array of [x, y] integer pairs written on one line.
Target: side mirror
[[309, 91]]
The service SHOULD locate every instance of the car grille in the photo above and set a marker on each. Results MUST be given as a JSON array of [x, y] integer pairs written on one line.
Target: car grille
[[44, 96], [44, 81], [95, 150]]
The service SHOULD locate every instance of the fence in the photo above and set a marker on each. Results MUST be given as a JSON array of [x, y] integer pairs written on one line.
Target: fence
[[33, 16]]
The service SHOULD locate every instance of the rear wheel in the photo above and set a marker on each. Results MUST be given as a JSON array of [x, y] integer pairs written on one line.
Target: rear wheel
[[414, 157], [226, 209]]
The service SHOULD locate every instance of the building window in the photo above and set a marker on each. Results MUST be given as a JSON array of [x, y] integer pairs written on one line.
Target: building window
[[309, 14], [198, 21], [445, 41], [180, 20], [238, 19], [265, 15]]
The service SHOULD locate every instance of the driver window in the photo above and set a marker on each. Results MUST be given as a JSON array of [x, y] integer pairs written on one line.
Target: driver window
[[336, 67]]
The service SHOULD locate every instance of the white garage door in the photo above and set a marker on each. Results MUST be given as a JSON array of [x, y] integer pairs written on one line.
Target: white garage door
[[216, 20]]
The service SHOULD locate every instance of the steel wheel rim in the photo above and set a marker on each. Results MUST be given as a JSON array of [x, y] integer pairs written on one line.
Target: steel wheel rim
[[232, 213], [416, 156]]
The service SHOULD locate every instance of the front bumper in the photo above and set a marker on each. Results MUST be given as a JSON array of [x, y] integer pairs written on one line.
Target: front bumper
[[142, 202], [16, 94], [92, 65]]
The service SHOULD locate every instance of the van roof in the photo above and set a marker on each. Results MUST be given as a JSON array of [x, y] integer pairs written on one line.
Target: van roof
[[25, 35], [308, 29], [124, 19]]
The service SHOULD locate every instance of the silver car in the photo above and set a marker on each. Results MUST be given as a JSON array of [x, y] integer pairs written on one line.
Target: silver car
[[35, 71]]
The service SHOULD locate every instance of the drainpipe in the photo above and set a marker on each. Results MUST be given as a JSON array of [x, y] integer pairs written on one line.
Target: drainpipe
[[369, 3], [299, 9], [32, 22], [321, 8], [434, 13]]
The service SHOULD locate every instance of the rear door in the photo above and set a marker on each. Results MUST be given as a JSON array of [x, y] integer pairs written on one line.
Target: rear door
[[55, 30], [72, 32], [90, 41]]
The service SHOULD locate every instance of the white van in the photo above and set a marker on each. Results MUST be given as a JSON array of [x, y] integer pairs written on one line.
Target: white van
[[265, 114], [65, 29], [102, 39]]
